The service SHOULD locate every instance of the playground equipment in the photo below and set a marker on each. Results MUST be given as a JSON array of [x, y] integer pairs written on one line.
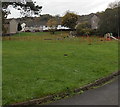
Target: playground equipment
[[113, 38], [110, 36]]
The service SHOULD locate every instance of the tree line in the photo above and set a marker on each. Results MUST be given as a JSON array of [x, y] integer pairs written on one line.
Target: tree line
[[109, 19], [109, 22]]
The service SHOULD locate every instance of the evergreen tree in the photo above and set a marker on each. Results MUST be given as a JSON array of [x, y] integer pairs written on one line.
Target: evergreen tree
[[19, 27]]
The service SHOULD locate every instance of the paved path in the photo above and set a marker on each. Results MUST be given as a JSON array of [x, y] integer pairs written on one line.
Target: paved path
[[106, 95]]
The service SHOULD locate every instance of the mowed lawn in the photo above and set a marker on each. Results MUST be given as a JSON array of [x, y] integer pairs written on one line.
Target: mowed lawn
[[37, 68]]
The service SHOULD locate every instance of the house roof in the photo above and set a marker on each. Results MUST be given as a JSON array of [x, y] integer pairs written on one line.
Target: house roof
[[8, 21]]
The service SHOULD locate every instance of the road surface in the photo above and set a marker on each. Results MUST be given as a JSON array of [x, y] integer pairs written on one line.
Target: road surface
[[105, 95]]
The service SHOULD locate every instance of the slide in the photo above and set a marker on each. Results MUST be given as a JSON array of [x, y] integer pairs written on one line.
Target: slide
[[113, 38]]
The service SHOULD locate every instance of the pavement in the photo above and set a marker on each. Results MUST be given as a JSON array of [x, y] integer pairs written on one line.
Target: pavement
[[105, 95]]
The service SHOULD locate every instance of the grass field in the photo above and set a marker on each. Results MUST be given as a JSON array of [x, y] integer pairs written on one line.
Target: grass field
[[34, 67]]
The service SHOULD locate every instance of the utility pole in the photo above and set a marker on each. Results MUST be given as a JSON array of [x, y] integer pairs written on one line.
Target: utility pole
[[0, 53], [118, 19], [0, 18]]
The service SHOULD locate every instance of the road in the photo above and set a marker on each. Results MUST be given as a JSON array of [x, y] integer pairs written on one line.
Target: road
[[105, 95]]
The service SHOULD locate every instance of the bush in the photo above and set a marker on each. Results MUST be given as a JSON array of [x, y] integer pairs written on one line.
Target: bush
[[83, 29], [52, 31]]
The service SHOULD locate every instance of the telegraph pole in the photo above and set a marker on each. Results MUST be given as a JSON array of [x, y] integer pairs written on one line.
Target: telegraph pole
[[0, 18], [118, 19]]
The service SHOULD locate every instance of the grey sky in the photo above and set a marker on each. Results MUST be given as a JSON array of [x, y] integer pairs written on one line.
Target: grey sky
[[81, 7]]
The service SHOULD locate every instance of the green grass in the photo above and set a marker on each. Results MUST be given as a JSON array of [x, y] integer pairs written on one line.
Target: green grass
[[36, 68]]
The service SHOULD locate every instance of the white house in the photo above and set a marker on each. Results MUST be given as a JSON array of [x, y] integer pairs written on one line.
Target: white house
[[95, 22], [11, 27]]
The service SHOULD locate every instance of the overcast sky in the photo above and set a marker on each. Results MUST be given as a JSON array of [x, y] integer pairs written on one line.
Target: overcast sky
[[81, 7]]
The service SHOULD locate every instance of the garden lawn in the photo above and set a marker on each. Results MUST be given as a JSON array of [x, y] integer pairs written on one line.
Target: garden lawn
[[36, 68]]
